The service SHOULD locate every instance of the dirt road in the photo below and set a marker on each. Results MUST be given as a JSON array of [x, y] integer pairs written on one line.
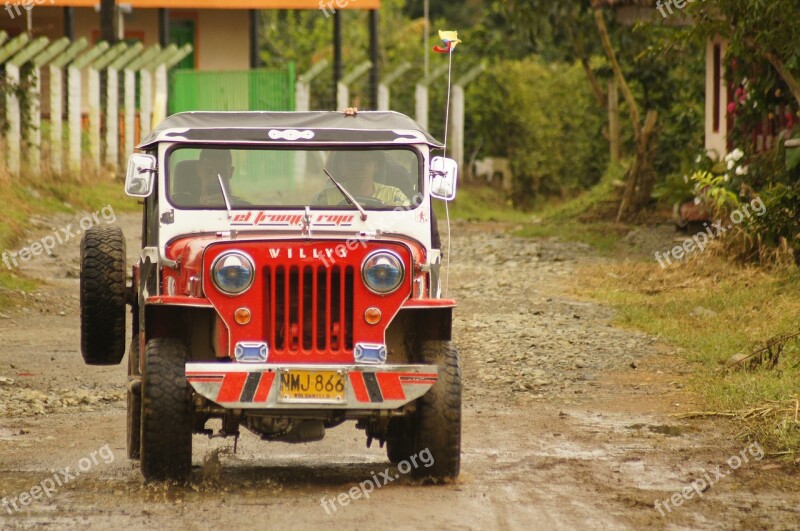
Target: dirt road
[[567, 424]]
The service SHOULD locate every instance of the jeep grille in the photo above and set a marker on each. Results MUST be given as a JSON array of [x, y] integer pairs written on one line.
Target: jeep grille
[[310, 308]]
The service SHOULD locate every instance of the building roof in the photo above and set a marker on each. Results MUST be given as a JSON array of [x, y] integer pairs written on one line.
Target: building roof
[[313, 128], [227, 4]]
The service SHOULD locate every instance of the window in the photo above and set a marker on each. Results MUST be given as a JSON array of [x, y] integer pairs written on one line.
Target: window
[[379, 179]]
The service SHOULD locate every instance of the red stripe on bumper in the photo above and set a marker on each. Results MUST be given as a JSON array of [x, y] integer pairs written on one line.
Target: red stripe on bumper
[[231, 388], [391, 388], [359, 388], [262, 392]]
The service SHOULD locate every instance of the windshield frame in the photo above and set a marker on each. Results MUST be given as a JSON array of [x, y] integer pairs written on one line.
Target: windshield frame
[[414, 204]]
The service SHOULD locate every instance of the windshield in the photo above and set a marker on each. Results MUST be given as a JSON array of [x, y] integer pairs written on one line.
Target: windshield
[[377, 179]]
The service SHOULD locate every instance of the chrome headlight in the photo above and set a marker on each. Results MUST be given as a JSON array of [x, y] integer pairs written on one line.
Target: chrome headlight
[[383, 272], [233, 272]]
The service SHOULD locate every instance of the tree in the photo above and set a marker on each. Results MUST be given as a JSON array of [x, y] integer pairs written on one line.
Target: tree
[[756, 29], [641, 177], [571, 21]]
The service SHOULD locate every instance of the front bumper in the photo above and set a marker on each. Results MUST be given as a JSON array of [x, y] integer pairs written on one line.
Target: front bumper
[[255, 385]]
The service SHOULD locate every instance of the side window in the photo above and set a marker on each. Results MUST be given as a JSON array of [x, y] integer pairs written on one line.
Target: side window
[[151, 218]]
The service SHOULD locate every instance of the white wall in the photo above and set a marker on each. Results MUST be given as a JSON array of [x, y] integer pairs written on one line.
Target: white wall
[[716, 141]]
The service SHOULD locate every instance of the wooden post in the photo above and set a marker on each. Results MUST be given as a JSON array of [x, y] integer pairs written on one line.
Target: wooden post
[[74, 119], [129, 97], [33, 133], [95, 67], [421, 104], [34, 130], [421, 95], [13, 137], [145, 102], [56, 117], [302, 87], [13, 110], [343, 92], [146, 88], [457, 114], [111, 158], [614, 133], [57, 102], [384, 88], [74, 103]]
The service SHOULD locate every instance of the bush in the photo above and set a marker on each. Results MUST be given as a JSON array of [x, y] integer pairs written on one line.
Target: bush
[[544, 118]]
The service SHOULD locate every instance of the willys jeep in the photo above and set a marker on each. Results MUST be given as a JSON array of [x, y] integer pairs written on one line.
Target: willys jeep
[[288, 281]]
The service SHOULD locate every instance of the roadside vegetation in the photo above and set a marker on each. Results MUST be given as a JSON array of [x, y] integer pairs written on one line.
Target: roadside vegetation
[[738, 324], [21, 201]]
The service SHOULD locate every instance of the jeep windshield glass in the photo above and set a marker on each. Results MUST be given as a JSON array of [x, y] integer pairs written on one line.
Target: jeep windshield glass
[[379, 179]]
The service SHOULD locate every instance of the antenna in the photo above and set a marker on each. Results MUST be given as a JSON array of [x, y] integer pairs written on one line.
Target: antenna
[[450, 40]]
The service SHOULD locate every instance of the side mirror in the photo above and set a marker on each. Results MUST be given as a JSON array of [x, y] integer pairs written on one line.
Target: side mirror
[[444, 175], [140, 175], [792, 153]]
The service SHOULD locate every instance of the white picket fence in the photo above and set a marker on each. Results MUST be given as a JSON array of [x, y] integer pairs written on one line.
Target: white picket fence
[[82, 66]]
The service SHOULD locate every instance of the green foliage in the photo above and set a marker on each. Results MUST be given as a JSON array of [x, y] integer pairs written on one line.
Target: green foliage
[[763, 64], [543, 118], [305, 37], [480, 203], [715, 192], [759, 32], [583, 218]]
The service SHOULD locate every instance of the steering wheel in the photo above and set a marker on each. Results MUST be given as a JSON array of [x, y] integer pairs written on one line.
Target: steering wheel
[[363, 201]]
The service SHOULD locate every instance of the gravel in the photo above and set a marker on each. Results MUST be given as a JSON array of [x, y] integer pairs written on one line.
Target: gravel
[[515, 330]]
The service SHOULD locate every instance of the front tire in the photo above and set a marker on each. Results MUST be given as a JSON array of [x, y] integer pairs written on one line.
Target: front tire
[[438, 416], [166, 431]]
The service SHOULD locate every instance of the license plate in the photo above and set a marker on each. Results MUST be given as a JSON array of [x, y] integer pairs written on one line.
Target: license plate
[[312, 386]]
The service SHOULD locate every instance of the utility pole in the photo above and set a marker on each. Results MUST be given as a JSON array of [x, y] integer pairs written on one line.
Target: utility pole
[[427, 15], [108, 21]]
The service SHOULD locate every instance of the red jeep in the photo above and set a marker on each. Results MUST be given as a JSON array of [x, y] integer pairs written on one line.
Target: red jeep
[[288, 282]]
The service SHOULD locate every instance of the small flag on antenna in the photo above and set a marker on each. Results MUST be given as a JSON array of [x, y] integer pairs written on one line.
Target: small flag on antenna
[[450, 40]]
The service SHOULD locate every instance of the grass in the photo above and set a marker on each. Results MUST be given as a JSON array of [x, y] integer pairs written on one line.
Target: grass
[[20, 202], [714, 310], [481, 203], [581, 219], [584, 218]]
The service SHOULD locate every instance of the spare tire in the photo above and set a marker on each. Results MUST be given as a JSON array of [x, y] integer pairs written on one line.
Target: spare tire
[[103, 296]]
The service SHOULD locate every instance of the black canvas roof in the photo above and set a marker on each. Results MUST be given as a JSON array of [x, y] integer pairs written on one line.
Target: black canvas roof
[[316, 127]]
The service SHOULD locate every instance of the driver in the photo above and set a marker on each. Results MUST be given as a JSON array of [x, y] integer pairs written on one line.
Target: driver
[[356, 171], [214, 162]]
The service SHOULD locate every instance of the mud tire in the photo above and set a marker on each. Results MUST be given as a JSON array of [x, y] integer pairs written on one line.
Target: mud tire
[[102, 296]]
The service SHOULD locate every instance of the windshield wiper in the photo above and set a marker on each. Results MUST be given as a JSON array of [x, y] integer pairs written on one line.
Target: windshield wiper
[[225, 196], [347, 195]]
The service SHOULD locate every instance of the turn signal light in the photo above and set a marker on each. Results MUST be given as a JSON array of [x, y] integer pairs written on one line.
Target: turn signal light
[[372, 316], [242, 316]]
